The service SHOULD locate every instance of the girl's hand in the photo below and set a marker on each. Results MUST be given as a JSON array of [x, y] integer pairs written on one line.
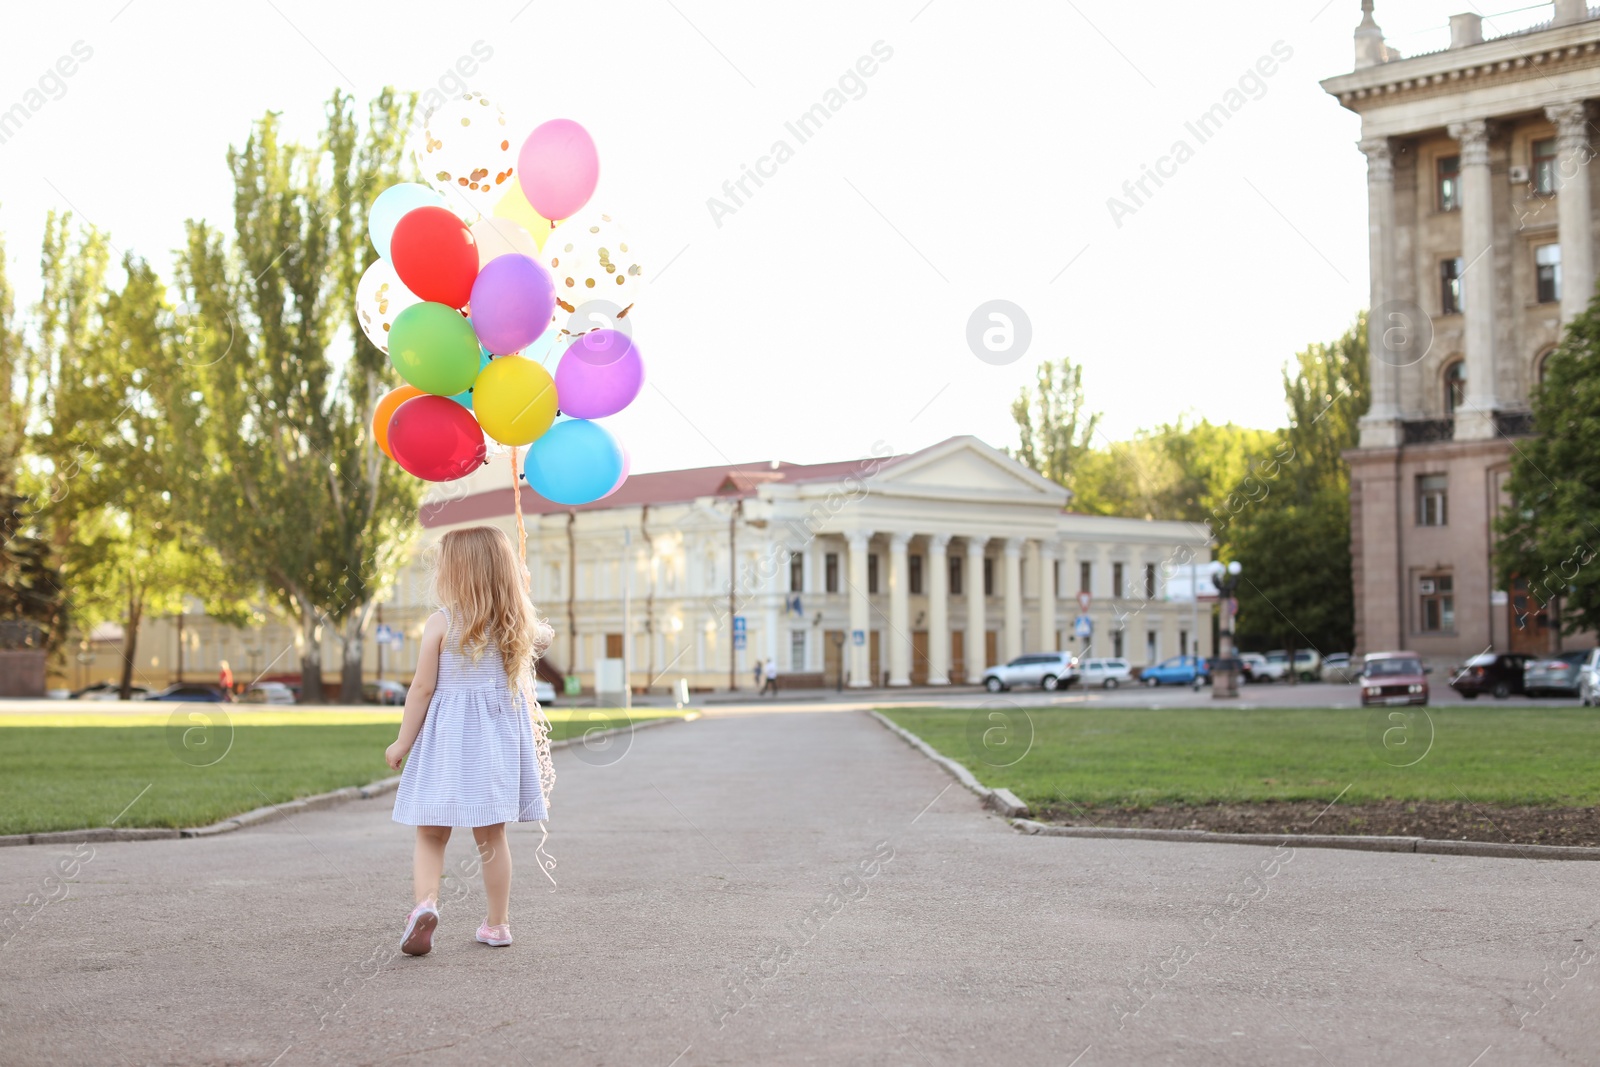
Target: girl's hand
[[394, 755]]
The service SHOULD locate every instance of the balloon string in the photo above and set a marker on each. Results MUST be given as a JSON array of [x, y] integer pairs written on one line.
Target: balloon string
[[522, 531]]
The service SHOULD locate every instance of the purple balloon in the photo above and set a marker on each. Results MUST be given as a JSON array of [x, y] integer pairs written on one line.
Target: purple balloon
[[512, 302], [599, 374]]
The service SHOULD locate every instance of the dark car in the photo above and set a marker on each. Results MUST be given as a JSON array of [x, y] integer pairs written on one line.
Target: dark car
[[1496, 673], [192, 693], [1555, 674], [1393, 678]]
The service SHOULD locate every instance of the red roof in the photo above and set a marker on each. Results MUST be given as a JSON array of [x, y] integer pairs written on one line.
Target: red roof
[[661, 487]]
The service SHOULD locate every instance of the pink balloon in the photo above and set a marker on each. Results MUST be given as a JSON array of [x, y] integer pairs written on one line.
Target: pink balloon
[[627, 461], [558, 168]]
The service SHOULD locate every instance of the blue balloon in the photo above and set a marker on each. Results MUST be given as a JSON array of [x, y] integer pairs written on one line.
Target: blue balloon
[[576, 461], [391, 205], [465, 399]]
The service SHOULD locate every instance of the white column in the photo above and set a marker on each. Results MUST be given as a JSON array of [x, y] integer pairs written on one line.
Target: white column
[[1013, 597], [1574, 207], [776, 584], [938, 578], [975, 641], [1047, 597], [1475, 417], [899, 611], [1389, 327], [860, 655]]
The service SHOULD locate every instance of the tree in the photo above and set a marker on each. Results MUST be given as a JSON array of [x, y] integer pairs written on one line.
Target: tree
[[1547, 536], [1054, 425]]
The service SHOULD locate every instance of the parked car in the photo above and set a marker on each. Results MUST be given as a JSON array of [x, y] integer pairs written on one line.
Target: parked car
[[1179, 670], [1274, 667], [108, 691], [544, 693], [1496, 673], [1105, 673], [1341, 668], [268, 693], [1047, 670], [385, 692], [192, 693], [1252, 667], [1556, 674], [1393, 678], [1308, 664], [1589, 679]]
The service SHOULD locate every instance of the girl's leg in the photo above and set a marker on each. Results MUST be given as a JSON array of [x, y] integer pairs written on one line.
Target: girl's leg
[[495, 856], [427, 865]]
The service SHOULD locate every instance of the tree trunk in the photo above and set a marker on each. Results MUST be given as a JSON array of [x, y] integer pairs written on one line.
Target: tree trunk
[[352, 671], [130, 645], [310, 655]]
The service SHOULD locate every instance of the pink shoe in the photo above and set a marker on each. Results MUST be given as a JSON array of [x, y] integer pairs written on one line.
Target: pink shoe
[[495, 936], [420, 924]]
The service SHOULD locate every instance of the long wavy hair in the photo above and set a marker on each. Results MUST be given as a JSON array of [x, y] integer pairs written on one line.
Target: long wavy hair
[[479, 580]]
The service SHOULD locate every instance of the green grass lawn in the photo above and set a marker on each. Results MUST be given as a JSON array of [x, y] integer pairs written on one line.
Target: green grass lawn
[[58, 778], [1138, 758]]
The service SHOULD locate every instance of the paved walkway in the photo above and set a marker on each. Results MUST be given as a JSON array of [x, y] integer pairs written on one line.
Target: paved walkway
[[795, 888]]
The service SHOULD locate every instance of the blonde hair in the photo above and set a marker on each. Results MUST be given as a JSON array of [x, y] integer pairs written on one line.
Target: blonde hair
[[478, 578]]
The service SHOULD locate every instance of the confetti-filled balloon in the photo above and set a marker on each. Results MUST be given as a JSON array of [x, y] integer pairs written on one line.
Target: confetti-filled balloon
[[380, 297], [464, 148], [590, 258]]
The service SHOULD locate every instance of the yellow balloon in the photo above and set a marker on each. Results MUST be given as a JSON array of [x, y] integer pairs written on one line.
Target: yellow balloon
[[515, 400], [515, 206]]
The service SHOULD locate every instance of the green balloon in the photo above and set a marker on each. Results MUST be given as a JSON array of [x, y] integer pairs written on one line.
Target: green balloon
[[433, 347]]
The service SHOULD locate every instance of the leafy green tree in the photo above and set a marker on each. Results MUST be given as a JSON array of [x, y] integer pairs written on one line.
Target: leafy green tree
[[1054, 424], [1547, 536]]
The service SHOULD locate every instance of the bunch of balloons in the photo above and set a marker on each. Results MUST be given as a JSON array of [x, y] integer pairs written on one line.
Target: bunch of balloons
[[464, 298]]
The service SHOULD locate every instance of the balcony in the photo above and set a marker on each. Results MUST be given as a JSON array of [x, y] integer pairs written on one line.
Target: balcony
[[1427, 431], [1513, 423]]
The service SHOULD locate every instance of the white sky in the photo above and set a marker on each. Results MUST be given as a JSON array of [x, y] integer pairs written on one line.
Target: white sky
[[830, 311]]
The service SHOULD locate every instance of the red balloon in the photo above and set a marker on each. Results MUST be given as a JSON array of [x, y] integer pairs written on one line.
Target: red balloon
[[436, 439], [435, 255]]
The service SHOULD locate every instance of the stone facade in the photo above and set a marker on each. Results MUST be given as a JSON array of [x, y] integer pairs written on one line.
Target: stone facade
[[1482, 246]]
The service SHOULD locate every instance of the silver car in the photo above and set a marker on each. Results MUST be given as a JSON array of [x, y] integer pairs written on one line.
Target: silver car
[[1047, 670]]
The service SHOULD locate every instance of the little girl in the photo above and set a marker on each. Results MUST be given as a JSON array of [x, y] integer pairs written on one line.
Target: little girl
[[477, 756]]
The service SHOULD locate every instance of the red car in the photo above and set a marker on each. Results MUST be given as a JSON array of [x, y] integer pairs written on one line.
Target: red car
[[1393, 678]]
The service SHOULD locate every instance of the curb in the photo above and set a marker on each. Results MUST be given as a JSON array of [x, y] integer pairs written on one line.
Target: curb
[[1001, 800], [1008, 805], [272, 812]]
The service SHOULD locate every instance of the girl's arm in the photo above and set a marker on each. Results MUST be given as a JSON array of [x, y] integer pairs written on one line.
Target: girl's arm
[[420, 694]]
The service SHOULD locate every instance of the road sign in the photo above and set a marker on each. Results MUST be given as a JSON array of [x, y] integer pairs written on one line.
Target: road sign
[[1083, 626], [739, 639], [858, 637], [1084, 599], [388, 635], [738, 624]]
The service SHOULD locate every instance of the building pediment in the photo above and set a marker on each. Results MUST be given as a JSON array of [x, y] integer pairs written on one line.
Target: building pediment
[[967, 468]]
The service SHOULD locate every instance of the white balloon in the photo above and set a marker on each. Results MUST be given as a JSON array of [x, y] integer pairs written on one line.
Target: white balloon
[[380, 297], [591, 259], [501, 237], [465, 148]]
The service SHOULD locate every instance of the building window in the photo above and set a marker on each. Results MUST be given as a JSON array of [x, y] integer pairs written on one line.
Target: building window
[[1547, 265], [1544, 166], [1433, 499], [1449, 168], [831, 572], [872, 572], [1455, 386], [916, 575], [1540, 366], [1183, 642], [1149, 581], [1438, 614], [797, 651], [1116, 643], [1450, 295], [955, 576], [1116, 581], [1152, 651], [1086, 577], [988, 576], [1055, 579], [797, 572]]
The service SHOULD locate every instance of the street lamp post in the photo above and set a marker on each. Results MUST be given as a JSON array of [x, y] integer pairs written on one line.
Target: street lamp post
[[1225, 672]]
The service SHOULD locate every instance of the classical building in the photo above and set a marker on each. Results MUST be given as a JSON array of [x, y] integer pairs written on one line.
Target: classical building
[[894, 569], [1482, 231]]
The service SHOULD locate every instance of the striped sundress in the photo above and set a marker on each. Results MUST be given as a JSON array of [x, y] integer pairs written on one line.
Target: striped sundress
[[474, 762]]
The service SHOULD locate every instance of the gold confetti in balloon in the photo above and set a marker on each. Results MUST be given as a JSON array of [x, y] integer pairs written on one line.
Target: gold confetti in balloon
[[591, 258], [464, 148], [380, 297]]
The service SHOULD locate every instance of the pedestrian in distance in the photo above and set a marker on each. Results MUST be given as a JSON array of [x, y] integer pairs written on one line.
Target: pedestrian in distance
[[473, 756], [758, 673], [772, 679]]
